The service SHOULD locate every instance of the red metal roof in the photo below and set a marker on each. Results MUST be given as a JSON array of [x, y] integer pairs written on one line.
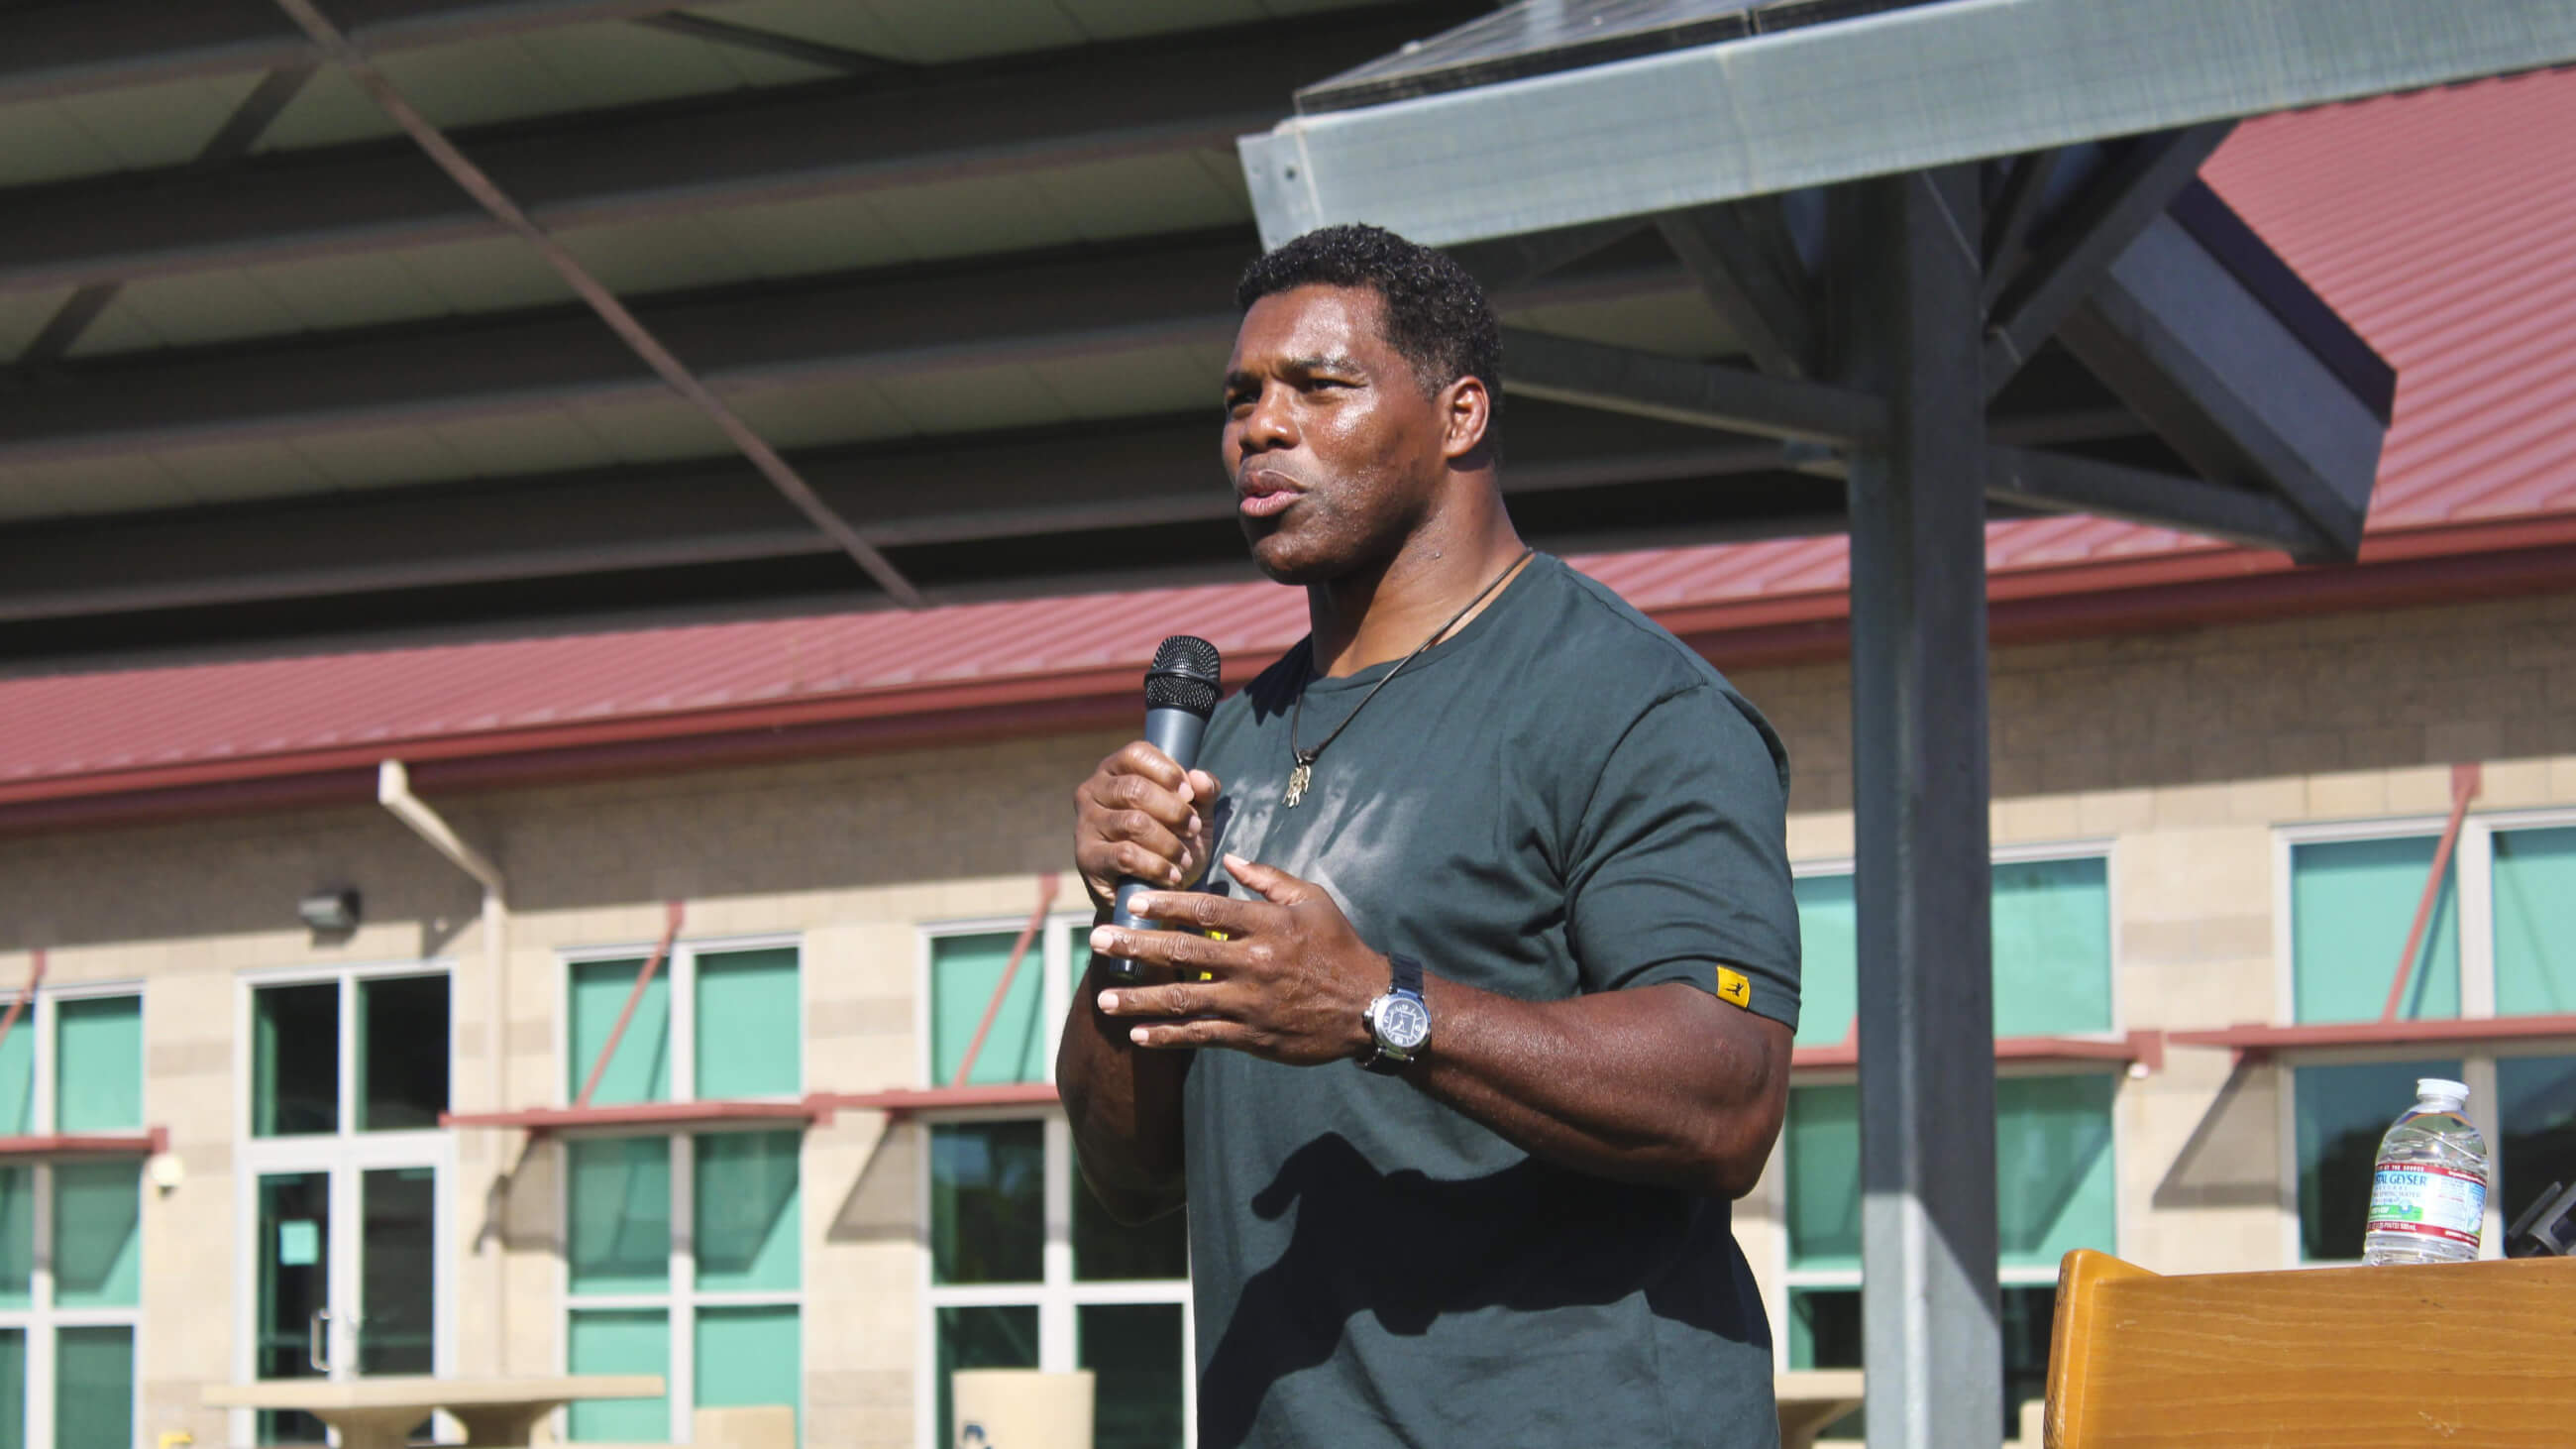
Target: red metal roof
[[2442, 225]]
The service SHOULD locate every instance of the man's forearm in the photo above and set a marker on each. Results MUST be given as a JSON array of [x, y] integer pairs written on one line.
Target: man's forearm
[[1124, 1107], [1661, 1084]]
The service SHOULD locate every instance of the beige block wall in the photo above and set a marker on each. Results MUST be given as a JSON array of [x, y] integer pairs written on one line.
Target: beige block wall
[[2183, 752]]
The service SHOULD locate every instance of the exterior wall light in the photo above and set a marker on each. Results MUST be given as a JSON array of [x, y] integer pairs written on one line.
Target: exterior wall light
[[329, 912]]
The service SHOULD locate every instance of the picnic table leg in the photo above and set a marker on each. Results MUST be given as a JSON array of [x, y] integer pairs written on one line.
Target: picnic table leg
[[498, 1425]]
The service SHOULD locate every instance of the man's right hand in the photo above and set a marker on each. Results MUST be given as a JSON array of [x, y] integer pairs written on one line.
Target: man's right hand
[[1141, 816]]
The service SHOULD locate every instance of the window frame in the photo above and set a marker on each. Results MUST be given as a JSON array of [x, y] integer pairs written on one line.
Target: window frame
[[41, 1320], [345, 1148], [1057, 1295], [680, 1299], [1793, 1279], [2472, 868]]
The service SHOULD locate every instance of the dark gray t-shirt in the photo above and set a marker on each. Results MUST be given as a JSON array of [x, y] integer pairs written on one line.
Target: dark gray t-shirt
[[1561, 799]]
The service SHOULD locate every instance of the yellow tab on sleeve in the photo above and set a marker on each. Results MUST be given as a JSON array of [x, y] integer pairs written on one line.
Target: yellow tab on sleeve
[[1734, 986]]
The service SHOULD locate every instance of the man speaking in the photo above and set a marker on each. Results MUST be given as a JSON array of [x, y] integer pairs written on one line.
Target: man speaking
[[1477, 1015]]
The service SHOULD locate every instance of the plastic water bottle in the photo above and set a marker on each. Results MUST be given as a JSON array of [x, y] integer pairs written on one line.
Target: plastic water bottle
[[2428, 1192]]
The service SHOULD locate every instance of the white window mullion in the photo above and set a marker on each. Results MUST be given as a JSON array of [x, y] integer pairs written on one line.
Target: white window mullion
[[683, 969], [39, 1345], [684, 1273], [1055, 1309], [2474, 870]]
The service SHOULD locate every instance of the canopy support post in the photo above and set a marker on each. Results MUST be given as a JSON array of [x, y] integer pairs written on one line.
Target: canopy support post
[[1907, 276]]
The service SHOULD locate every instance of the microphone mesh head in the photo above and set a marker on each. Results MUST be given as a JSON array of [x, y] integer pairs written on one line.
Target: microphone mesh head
[[1184, 675]]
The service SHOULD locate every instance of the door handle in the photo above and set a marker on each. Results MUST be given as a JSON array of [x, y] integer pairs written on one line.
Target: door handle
[[317, 1350]]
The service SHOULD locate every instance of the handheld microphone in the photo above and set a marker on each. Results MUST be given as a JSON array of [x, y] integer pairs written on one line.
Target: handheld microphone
[[1180, 694]]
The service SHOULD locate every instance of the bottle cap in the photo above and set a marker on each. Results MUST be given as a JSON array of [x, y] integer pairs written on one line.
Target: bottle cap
[[2441, 1090]]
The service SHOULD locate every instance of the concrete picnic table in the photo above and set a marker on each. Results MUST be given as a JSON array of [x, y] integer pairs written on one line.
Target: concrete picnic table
[[1812, 1398], [378, 1413]]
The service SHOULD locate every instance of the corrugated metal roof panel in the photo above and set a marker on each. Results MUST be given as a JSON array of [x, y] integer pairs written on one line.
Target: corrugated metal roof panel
[[2442, 225]]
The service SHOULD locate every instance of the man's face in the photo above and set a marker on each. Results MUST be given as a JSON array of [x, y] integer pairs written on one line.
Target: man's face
[[1332, 445]]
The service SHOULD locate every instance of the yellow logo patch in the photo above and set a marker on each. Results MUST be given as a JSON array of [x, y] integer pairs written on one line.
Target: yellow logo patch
[[1733, 986]]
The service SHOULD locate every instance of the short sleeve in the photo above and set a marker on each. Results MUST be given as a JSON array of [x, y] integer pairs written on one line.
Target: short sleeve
[[1679, 864]]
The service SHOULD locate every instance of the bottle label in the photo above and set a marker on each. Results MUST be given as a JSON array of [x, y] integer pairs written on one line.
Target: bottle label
[[2423, 1200]]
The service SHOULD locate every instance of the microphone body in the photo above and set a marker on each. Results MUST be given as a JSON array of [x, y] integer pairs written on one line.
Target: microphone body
[[1180, 694]]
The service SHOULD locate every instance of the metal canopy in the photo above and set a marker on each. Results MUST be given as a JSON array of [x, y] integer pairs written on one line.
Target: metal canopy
[[1910, 88], [1905, 216]]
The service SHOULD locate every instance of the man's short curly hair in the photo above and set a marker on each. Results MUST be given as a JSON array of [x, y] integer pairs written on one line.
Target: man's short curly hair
[[1436, 316]]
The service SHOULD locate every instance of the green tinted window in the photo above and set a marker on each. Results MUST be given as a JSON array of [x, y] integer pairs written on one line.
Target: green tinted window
[[17, 1234], [2535, 921], [641, 1070], [2052, 951], [987, 1202], [2351, 905], [1134, 1353], [98, 1064], [964, 972], [620, 1341], [1825, 1332], [403, 1044], [2342, 1113], [295, 1060], [972, 1338], [749, 1027], [2052, 934], [2053, 1171], [1823, 1144], [94, 1388], [17, 1083], [747, 1227], [13, 1388], [619, 1234], [2536, 1102], [749, 1356], [98, 1252], [1829, 970]]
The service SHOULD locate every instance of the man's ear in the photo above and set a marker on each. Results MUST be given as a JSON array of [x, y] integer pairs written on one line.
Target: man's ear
[[1466, 415]]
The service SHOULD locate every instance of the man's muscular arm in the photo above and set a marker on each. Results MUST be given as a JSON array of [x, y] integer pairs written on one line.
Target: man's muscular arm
[[1136, 817], [1663, 1084]]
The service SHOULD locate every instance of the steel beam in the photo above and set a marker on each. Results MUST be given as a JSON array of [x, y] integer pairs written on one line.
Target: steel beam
[[1910, 88], [96, 45], [232, 140], [954, 123], [715, 512], [2181, 339], [1649, 385], [2082, 244], [641, 340], [771, 42], [1741, 256], [1905, 257], [1098, 303], [2066, 483]]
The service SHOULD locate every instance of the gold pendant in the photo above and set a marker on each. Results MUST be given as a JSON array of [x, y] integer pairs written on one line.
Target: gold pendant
[[1298, 779]]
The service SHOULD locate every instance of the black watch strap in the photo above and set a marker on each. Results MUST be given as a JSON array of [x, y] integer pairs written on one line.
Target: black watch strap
[[1407, 975]]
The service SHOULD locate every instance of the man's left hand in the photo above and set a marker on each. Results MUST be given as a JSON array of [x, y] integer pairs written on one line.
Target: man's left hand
[[1291, 982]]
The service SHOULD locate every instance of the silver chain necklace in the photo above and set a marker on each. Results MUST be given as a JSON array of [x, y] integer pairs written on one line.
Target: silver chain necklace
[[1304, 774]]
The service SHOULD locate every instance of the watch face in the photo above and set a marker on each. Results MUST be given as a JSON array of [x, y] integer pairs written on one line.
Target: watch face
[[1402, 1022]]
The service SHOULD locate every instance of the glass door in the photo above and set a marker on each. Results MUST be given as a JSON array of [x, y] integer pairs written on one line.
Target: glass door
[[348, 1176]]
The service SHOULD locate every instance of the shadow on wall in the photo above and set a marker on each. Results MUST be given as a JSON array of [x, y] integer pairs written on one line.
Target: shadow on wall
[[2231, 1156], [882, 1203]]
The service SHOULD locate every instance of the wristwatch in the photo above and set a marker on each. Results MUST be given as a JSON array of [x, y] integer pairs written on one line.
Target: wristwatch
[[1399, 1021]]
